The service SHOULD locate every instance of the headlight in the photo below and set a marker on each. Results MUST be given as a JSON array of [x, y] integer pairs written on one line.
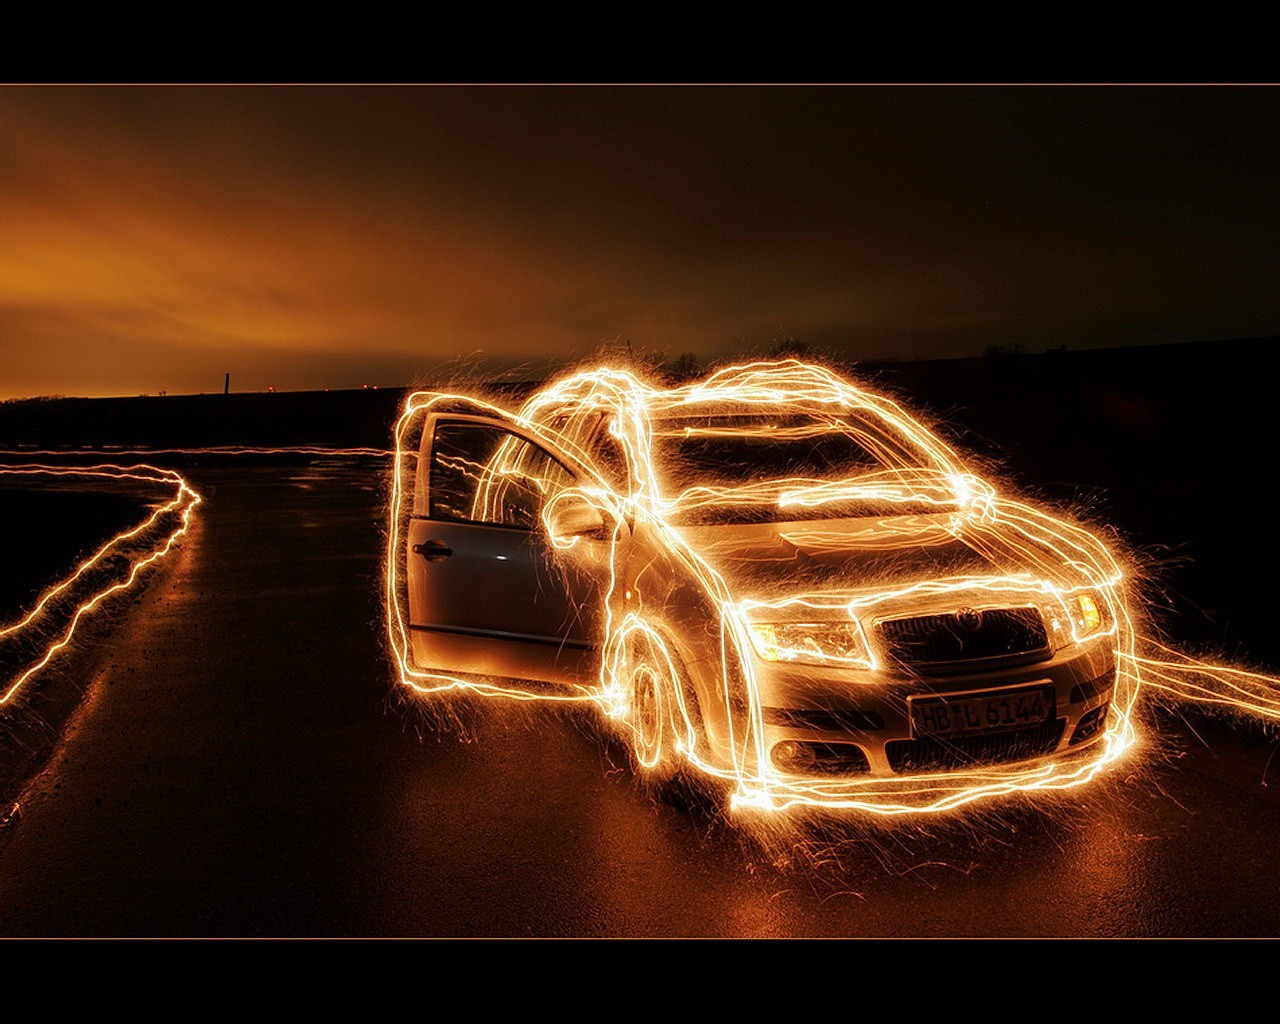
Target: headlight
[[1087, 611], [1089, 614], [810, 643]]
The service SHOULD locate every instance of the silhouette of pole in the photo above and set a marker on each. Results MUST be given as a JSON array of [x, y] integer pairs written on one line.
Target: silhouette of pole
[[226, 383]]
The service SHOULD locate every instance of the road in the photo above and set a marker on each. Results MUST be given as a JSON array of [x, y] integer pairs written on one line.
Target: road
[[242, 766]]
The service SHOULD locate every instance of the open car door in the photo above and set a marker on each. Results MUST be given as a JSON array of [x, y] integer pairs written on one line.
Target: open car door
[[489, 592]]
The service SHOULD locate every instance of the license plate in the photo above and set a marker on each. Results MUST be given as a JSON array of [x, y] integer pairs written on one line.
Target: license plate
[[971, 714]]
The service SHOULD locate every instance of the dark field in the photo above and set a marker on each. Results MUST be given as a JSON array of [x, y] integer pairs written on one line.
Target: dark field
[[50, 529]]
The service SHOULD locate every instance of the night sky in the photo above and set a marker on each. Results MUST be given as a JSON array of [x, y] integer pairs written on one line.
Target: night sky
[[153, 238]]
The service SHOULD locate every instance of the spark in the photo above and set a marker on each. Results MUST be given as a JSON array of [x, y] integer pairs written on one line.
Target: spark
[[1083, 587]]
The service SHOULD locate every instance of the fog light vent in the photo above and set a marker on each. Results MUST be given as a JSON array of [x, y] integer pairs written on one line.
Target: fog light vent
[[802, 757], [1091, 724]]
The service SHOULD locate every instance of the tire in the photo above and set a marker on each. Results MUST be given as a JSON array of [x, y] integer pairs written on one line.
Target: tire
[[651, 702]]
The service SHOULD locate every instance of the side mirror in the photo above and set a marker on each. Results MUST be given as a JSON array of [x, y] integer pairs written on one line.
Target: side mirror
[[570, 515]]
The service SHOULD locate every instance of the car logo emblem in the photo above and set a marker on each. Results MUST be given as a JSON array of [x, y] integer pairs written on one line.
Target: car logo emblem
[[968, 619]]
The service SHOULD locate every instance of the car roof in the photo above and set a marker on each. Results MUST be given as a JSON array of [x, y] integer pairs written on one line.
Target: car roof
[[743, 388]]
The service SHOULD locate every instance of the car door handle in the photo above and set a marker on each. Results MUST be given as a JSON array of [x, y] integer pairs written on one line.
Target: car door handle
[[432, 550]]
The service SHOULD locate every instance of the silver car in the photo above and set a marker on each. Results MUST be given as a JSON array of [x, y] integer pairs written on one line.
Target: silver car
[[772, 577]]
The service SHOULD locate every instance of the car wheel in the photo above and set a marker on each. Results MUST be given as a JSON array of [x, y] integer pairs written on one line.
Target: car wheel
[[651, 699]]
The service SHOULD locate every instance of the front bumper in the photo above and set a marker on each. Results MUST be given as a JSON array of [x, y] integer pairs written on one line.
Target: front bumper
[[829, 724]]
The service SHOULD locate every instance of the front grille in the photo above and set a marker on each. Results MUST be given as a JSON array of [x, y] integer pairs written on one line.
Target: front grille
[[847, 720], [931, 753], [952, 640]]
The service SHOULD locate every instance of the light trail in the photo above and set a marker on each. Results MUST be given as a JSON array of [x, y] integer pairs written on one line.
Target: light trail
[[135, 546], [113, 451], [1252, 695], [1084, 589], [181, 506]]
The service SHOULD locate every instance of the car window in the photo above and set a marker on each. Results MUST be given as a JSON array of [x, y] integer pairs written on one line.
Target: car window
[[712, 452], [725, 450], [484, 474], [610, 456]]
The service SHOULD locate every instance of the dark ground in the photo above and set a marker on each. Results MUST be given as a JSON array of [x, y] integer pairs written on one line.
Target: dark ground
[[240, 765], [51, 528]]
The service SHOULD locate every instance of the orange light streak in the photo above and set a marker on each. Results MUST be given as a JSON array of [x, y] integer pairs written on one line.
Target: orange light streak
[[1244, 692], [183, 503], [113, 451]]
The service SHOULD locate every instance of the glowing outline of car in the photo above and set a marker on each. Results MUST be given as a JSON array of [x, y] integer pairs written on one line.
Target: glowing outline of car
[[693, 670]]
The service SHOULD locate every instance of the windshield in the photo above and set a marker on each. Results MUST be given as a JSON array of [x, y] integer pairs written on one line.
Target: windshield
[[753, 467]]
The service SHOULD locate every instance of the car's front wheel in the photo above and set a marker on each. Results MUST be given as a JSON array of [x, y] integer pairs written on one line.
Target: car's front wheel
[[651, 698]]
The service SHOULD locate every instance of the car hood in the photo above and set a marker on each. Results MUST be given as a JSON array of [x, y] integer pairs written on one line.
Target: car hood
[[857, 554]]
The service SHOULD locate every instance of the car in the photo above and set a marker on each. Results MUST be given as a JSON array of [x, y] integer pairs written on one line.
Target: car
[[774, 579]]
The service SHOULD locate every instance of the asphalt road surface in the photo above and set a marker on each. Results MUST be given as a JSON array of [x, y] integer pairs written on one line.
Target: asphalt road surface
[[241, 766]]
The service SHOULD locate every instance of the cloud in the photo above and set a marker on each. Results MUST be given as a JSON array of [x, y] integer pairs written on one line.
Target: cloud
[[147, 234]]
